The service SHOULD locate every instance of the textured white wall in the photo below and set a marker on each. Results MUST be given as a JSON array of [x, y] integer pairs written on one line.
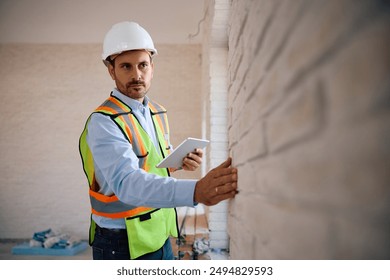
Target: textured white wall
[[47, 92], [215, 92], [310, 129]]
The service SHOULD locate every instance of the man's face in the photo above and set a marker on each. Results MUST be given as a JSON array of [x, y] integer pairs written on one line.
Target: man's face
[[133, 73]]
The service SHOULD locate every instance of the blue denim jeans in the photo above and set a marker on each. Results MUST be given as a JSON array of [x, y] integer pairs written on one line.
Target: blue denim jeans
[[110, 245]]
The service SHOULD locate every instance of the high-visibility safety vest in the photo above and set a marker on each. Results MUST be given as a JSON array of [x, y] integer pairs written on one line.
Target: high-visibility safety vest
[[147, 228]]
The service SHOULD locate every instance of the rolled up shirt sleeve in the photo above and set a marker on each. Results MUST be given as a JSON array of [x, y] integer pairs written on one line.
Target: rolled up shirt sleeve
[[117, 170]]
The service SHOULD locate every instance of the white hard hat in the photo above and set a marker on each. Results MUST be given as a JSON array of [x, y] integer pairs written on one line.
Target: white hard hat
[[126, 36]]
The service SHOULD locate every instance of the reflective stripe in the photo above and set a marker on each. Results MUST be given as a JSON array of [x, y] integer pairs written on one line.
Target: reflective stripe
[[119, 215], [118, 109], [159, 114], [106, 110], [116, 105], [115, 209], [138, 143], [102, 197], [128, 131], [101, 201], [120, 104]]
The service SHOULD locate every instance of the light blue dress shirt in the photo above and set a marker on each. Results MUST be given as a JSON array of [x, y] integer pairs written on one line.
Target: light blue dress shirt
[[117, 170]]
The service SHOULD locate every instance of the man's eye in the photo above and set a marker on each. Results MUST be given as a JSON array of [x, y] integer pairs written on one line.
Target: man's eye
[[144, 65], [126, 66]]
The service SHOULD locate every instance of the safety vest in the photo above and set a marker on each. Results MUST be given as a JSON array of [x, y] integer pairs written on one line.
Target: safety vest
[[147, 228]]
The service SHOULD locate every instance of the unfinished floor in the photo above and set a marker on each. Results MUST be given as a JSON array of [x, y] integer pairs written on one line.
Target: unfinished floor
[[192, 224]]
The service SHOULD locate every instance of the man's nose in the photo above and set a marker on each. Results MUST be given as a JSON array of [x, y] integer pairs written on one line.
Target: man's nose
[[136, 74]]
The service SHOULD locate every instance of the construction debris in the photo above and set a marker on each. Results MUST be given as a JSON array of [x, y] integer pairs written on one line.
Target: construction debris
[[52, 239]]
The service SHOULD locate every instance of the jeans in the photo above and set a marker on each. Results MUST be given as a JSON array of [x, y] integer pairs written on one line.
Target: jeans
[[113, 245]]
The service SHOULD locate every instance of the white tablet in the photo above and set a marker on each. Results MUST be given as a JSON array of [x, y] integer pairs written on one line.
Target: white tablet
[[175, 159]]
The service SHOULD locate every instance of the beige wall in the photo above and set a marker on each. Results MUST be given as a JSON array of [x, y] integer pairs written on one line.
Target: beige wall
[[47, 92], [310, 129]]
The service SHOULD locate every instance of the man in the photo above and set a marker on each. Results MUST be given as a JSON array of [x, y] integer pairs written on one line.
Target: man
[[132, 201]]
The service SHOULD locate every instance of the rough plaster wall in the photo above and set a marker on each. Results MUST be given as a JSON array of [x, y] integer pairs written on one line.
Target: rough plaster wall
[[47, 93], [310, 129]]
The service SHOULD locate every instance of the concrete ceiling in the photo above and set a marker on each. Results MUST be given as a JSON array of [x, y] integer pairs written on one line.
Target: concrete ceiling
[[87, 21]]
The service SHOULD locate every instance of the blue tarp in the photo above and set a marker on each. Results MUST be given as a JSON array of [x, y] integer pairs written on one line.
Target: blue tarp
[[25, 249]]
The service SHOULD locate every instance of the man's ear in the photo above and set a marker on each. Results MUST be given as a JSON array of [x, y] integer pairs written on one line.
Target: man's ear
[[111, 70]]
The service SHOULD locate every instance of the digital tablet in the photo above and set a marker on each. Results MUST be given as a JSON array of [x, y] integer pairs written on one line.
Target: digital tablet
[[175, 159]]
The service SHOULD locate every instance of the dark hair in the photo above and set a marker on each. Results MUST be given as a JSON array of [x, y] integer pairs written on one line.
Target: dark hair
[[111, 61]]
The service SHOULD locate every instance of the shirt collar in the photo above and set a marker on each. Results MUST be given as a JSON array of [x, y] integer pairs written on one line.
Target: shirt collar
[[135, 105]]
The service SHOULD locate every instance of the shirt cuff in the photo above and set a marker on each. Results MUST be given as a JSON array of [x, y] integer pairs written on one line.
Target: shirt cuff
[[184, 193]]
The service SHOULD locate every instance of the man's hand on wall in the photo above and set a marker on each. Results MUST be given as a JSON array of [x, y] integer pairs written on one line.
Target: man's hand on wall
[[219, 184]]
